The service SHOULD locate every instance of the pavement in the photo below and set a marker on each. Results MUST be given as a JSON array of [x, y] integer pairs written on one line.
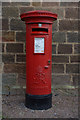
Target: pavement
[[64, 105]]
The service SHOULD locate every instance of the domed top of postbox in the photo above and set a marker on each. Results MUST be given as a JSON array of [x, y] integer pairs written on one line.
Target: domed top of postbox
[[38, 16]]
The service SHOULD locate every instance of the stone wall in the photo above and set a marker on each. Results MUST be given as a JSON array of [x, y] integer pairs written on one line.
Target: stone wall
[[65, 44]]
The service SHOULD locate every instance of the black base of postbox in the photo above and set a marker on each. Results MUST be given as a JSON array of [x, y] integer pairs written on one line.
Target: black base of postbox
[[38, 102]]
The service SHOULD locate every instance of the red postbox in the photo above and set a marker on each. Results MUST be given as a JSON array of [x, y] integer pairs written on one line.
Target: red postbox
[[38, 58]]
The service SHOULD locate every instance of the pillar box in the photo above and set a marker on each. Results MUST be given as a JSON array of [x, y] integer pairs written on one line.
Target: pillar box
[[38, 58]]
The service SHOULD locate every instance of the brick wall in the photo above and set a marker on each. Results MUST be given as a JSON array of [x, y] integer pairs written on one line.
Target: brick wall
[[65, 44]]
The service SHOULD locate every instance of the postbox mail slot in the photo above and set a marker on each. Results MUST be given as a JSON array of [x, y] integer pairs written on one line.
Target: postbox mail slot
[[39, 30]]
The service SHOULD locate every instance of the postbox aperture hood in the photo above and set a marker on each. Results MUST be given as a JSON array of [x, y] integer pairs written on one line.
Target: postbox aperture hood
[[38, 16]]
